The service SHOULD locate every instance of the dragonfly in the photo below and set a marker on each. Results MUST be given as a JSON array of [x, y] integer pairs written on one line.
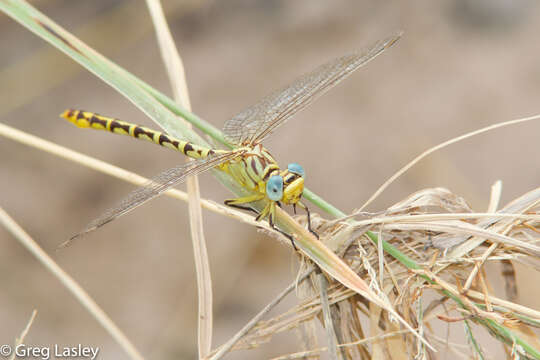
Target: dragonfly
[[249, 163]]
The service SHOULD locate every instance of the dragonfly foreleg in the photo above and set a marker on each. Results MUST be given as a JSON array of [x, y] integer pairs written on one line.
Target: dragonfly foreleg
[[288, 236], [302, 205], [237, 203], [242, 207], [271, 209]]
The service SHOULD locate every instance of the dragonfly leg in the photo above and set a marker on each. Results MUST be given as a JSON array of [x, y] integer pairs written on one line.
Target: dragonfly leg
[[273, 226], [242, 207], [237, 203], [269, 210], [265, 212], [302, 205], [288, 236]]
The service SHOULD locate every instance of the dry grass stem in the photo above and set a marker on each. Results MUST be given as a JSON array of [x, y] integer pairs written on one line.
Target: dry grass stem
[[77, 291], [25, 331], [439, 147], [225, 348], [327, 316], [177, 78]]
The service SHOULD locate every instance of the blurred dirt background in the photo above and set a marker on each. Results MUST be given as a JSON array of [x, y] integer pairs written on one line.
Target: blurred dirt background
[[460, 65]]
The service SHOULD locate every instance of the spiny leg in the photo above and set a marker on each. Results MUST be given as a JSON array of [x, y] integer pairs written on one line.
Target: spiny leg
[[237, 203], [288, 236], [302, 205], [242, 207], [269, 210], [273, 226]]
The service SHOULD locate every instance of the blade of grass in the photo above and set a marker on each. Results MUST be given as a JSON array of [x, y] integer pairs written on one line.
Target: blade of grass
[[48, 30], [25, 331], [327, 316], [472, 340], [123, 22]]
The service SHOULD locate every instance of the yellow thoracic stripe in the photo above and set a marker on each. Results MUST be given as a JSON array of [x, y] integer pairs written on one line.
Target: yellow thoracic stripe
[[85, 119]]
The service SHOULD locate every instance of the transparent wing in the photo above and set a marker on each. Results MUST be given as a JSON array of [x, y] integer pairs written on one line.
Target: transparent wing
[[153, 188], [256, 122]]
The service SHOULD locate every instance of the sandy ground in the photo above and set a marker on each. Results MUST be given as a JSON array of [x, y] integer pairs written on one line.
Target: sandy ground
[[460, 66]]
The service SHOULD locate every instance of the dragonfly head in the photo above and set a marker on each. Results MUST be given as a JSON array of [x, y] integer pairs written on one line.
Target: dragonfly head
[[288, 186], [293, 183]]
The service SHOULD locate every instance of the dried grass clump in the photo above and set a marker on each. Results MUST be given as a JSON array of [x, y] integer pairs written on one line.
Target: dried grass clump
[[432, 272]]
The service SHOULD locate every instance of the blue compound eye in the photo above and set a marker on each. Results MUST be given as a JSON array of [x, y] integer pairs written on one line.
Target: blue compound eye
[[274, 188], [296, 169]]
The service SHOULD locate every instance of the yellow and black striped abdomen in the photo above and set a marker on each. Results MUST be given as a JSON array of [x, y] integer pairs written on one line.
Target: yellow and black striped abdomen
[[85, 119]]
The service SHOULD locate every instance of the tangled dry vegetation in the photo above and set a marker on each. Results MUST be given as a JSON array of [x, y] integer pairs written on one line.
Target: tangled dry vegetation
[[432, 272]]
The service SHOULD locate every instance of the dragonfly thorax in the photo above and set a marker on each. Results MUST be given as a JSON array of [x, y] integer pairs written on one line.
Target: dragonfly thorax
[[253, 168]]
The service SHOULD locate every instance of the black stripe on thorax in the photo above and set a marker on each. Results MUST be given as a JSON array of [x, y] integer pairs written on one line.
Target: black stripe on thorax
[[269, 170], [253, 164]]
